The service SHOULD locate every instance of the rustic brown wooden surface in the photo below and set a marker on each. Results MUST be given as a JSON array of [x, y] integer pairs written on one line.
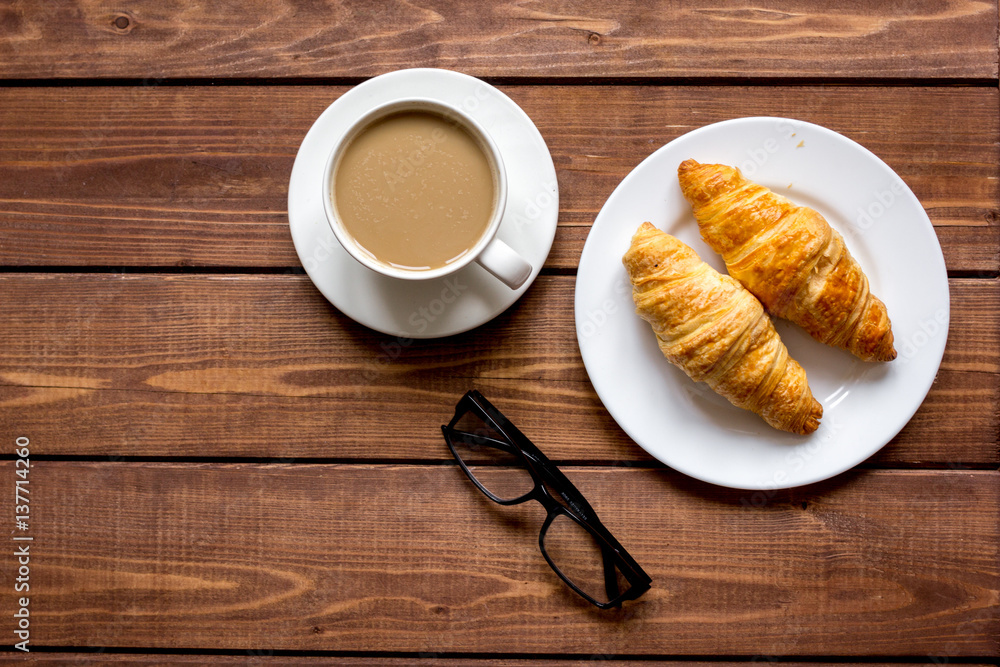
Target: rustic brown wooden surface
[[313, 556], [222, 467], [538, 39], [198, 176], [263, 366]]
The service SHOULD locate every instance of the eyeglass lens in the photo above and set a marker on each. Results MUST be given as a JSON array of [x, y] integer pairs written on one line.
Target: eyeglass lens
[[576, 553], [491, 459]]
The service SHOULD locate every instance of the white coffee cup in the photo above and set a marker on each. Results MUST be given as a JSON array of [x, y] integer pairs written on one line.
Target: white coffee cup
[[490, 252]]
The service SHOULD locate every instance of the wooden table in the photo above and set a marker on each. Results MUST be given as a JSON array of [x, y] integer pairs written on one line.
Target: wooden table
[[225, 468]]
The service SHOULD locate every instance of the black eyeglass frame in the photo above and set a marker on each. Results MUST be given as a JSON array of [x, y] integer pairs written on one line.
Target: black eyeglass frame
[[546, 475]]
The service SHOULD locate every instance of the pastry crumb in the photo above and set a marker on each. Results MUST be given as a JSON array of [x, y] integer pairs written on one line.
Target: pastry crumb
[[801, 144]]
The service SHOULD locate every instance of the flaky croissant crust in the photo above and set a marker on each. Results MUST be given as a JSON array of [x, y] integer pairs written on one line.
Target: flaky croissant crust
[[790, 258], [714, 330]]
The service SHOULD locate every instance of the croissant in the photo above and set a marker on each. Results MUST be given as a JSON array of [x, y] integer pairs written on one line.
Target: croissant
[[790, 258], [714, 330]]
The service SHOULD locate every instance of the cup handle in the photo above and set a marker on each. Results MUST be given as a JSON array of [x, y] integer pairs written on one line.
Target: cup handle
[[503, 262]]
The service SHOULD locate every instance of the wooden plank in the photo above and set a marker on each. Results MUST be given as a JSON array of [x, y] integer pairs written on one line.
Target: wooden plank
[[263, 366], [413, 558], [283, 39], [167, 176]]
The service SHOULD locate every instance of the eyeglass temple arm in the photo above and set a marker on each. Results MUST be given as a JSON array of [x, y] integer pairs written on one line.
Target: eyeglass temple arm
[[610, 574], [472, 438]]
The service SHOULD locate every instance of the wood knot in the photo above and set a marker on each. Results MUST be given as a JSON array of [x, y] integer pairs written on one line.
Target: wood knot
[[122, 23], [594, 38], [992, 217]]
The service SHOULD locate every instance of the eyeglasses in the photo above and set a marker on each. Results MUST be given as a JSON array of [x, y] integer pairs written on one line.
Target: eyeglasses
[[509, 469]]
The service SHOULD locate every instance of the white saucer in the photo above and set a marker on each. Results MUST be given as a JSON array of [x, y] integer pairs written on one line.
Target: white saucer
[[436, 307], [689, 427]]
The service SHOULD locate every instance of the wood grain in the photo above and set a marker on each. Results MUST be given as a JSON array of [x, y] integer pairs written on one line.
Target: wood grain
[[413, 558], [198, 176], [263, 366], [267, 483], [148, 39]]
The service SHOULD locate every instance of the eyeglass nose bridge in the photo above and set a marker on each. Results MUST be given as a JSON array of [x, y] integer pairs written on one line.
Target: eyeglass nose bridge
[[550, 489], [542, 494]]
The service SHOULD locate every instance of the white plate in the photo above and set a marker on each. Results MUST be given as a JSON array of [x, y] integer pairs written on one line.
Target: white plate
[[425, 308], [686, 425]]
